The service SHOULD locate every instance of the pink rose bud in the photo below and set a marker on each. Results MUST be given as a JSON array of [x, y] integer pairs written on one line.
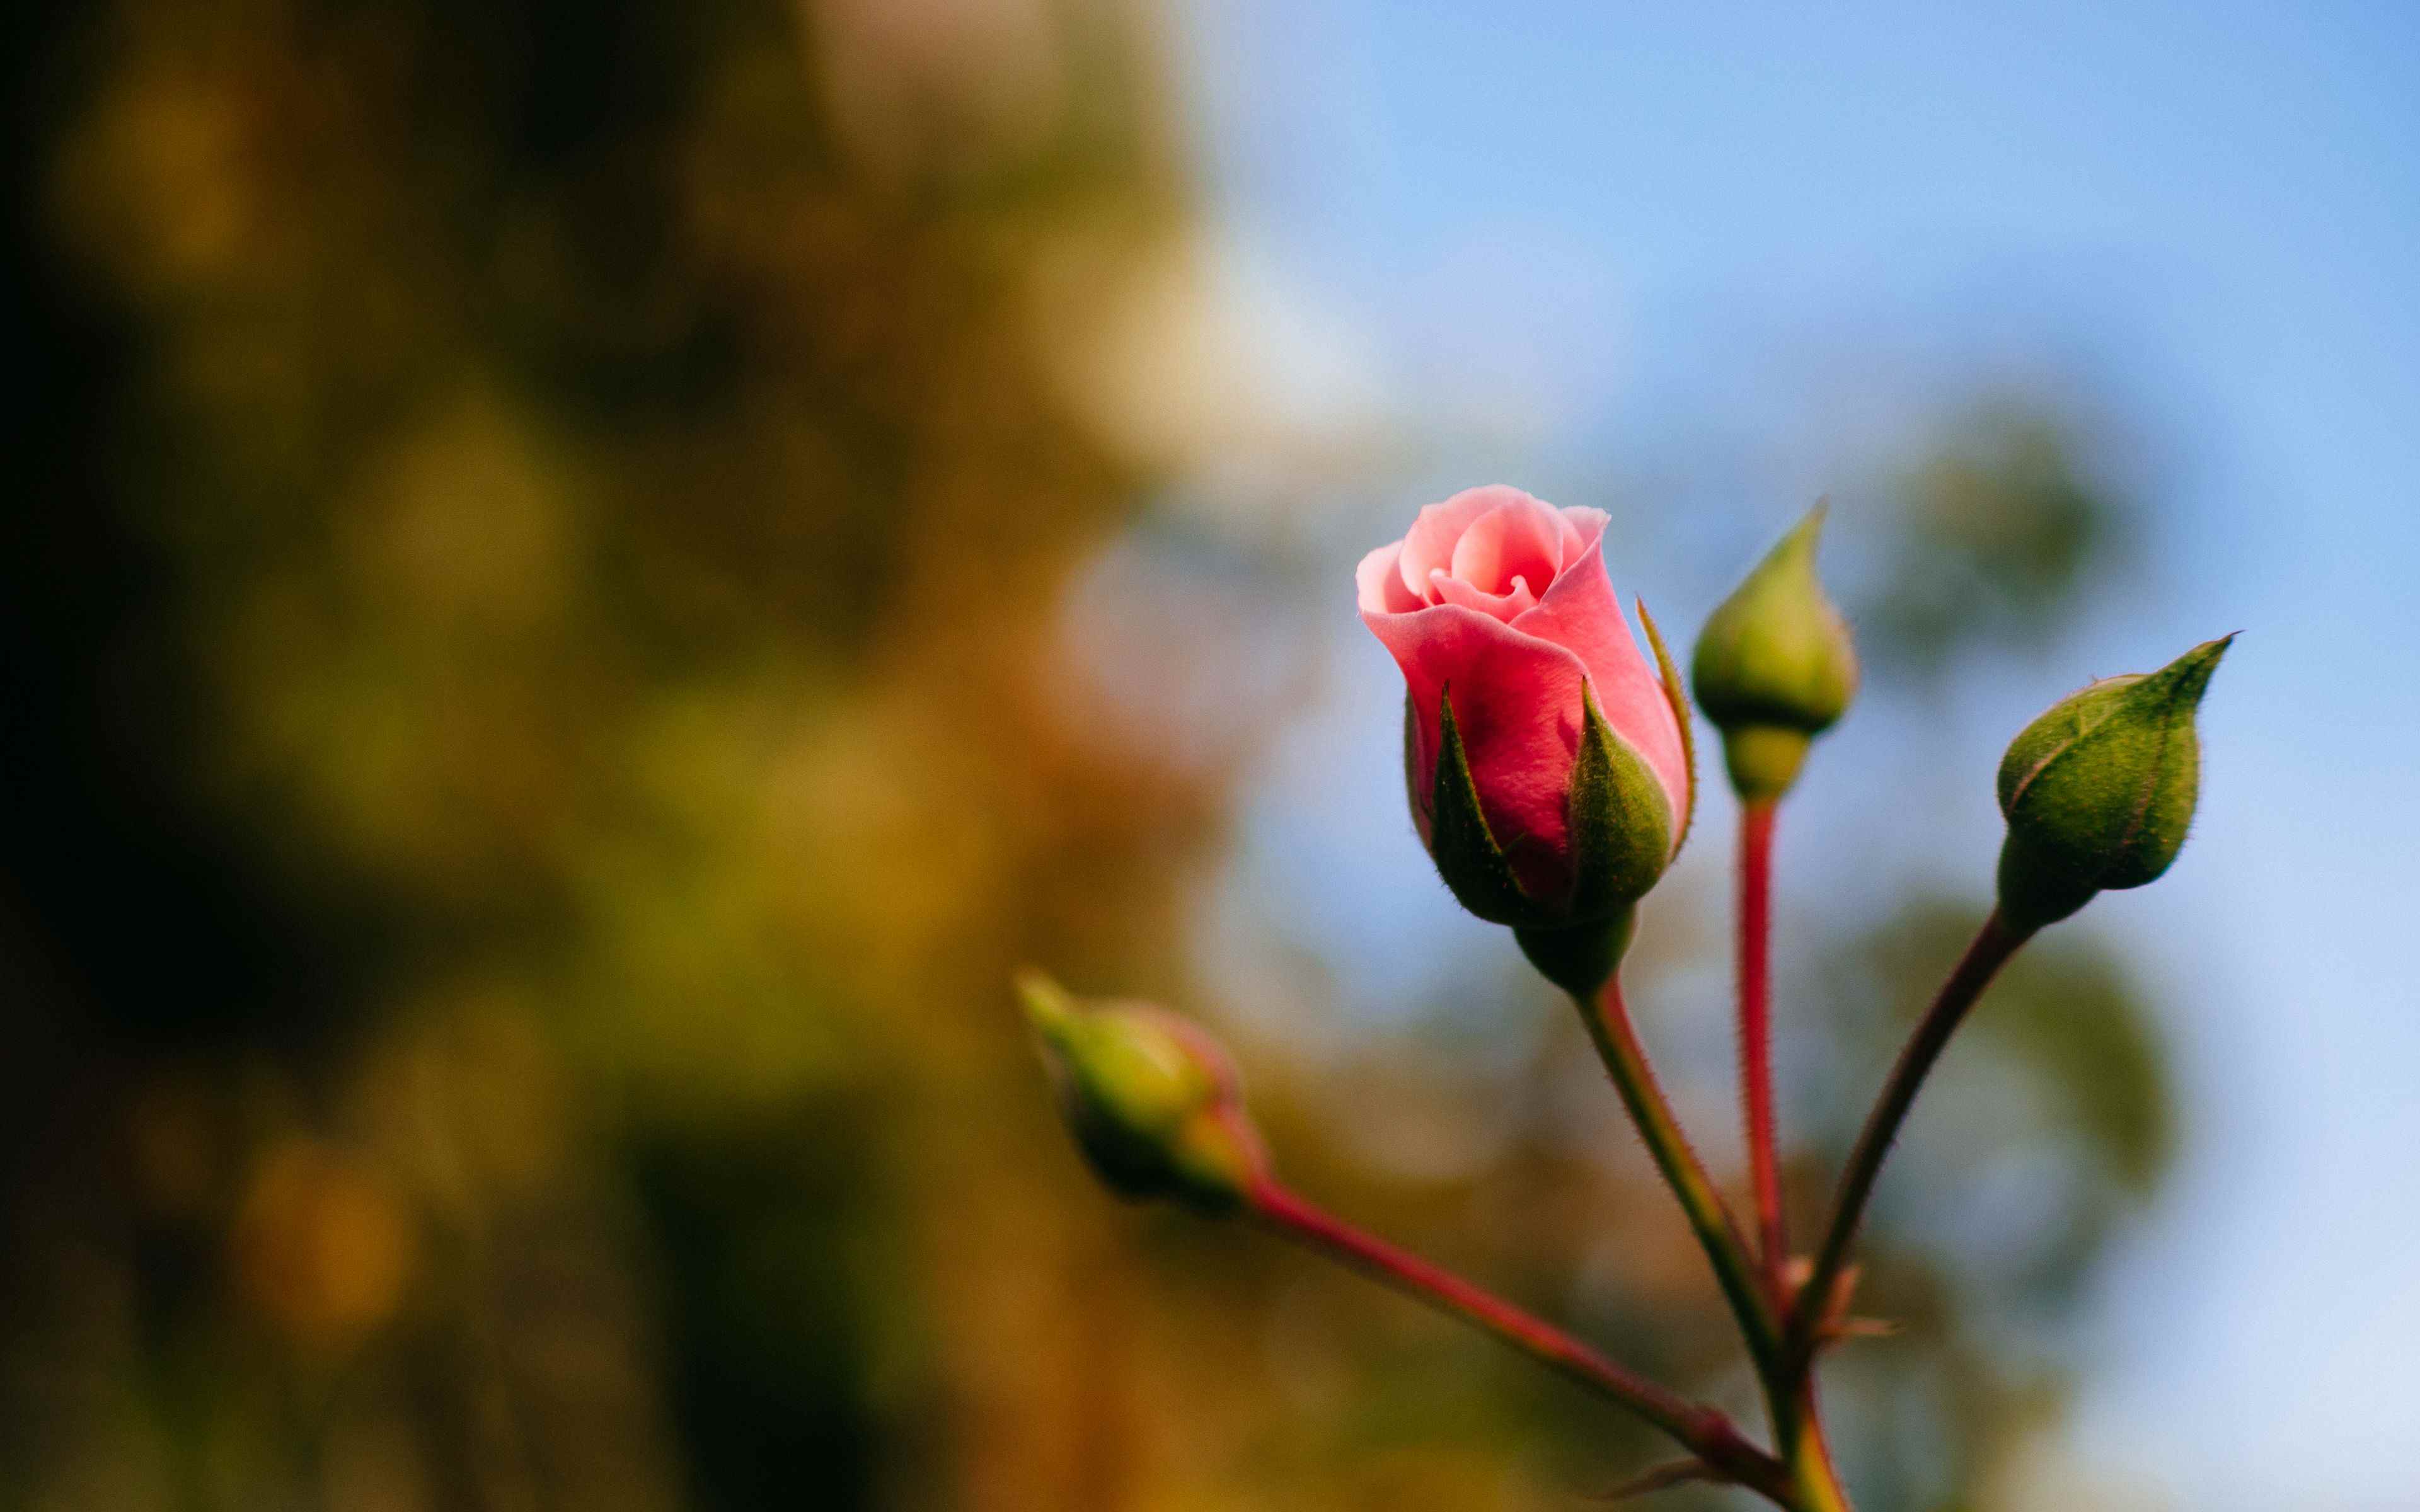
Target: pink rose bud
[[1549, 766]]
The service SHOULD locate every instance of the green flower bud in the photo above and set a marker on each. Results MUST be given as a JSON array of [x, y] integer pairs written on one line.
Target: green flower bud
[[2099, 790], [1774, 666], [1154, 1103]]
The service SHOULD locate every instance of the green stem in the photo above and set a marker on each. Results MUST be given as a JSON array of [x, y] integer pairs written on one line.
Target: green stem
[[1815, 1486], [1993, 944], [1617, 1042]]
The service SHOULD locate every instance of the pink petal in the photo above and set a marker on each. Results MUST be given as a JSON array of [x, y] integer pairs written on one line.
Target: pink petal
[[1505, 607], [1381, 582], [1580, 613], [1516, 705], [1582, 530], [1520, 537], [1428, 547]]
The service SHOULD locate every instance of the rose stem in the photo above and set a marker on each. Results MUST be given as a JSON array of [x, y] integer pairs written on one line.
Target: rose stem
[[1755, 1040], [1811, 1472], [1703, 1430], [1992, 945], [1797, 1423], [1625, 1061]]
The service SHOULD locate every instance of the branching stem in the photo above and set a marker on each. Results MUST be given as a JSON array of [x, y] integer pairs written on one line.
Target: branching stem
[[1704, 1431], [1625, 1061]]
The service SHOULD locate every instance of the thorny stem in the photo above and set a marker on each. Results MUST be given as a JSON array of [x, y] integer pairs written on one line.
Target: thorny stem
[[1703, 1430], [1625, 1060], [1755, 1040], [1992, 945], [1798, 1426]]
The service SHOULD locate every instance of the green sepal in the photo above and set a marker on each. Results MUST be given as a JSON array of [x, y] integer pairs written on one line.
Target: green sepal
[[1465, 853], [1677, 697], [1621, 822], [2099, 790], [1618, 830]]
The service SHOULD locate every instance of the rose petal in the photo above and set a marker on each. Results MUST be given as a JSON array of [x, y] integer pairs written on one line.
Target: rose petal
[[1381, 582], [1505, 607], [1516, 706], [1428, 547], [1520, 537], [1582, 530], [1580, 613]]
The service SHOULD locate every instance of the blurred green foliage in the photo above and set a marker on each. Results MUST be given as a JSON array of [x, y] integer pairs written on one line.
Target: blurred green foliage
[[540, 719], [2004, 521]]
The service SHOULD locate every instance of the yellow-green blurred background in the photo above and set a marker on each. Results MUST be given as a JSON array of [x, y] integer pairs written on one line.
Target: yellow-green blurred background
[[586, 581]]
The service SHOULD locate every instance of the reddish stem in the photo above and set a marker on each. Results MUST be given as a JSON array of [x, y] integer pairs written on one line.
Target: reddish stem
[[1755, 1040], [1992, 945], [1703, 1430], [1798, 1420]]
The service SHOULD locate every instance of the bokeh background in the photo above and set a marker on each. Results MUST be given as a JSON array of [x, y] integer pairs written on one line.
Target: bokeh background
[[585, 581]]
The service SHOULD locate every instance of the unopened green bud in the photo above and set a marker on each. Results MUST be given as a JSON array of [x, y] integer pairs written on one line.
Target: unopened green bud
[[2099, 790], [1773, 667], [1154, 1103]]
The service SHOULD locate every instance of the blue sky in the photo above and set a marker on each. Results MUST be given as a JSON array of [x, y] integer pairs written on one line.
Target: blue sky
[[1564, 230]]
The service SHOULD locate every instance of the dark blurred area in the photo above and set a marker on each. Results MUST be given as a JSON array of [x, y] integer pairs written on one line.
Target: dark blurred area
[[539, 717]]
